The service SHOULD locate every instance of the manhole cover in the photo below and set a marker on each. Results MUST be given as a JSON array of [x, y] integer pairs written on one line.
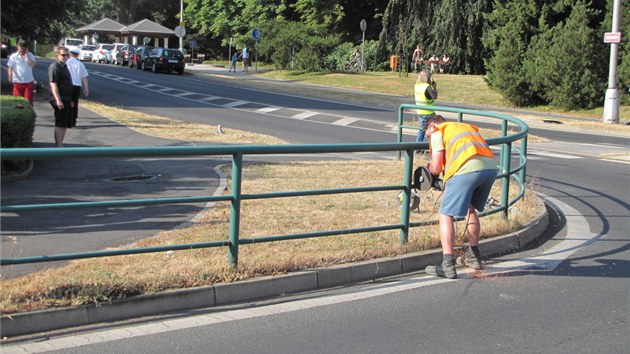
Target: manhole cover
[[130, 178]]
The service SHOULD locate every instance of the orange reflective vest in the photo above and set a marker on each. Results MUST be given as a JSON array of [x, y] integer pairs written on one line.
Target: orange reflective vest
[[462, 141], [421, 98]]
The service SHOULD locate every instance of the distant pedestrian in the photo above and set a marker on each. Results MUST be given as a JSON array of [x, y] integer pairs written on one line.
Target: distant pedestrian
[[245, 56], [425, 92], [79, 80], [234, 60], [61, 90], [20, 72]]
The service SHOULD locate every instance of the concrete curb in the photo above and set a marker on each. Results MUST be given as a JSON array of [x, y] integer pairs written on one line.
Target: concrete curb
[[252, 289]]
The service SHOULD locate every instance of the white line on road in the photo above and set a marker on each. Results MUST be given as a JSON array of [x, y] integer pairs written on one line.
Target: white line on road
[[234, 104], [209, 98], [268, 109], [345, 121], [304, 115], [551, 154], [578, 232]]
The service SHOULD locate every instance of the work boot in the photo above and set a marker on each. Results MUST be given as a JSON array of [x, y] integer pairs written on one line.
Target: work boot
[[472, 260], [445, 270]]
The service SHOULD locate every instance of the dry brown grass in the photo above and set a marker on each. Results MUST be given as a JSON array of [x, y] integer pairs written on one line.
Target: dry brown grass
[[179, 130], [105, 279]]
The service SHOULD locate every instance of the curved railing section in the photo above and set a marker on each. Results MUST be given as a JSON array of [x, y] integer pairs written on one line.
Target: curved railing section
[[237, 152]]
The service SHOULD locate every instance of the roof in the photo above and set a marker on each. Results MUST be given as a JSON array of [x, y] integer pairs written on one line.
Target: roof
[[103, 26], [146, 27]]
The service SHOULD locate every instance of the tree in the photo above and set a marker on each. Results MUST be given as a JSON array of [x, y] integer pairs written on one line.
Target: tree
[[45, 22]]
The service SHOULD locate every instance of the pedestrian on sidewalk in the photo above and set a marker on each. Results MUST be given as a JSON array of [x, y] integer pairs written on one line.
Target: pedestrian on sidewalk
[[20, 72], [459, 151], [234, 60], [79, 80], [61, 90], [245, 56]]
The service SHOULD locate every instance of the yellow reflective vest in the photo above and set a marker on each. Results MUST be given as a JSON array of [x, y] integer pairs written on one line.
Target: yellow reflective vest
[[421, 98], [462, 142]]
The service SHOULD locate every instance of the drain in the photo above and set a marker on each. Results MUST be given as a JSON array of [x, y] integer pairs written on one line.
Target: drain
[[131, 178], [552, 121]]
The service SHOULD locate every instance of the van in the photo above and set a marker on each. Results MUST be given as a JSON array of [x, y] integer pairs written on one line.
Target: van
[[71, 43]]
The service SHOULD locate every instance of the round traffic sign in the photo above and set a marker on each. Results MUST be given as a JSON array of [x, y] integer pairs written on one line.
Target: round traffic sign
[[146, 40], [363, 25], [257, 34], [180, 31]]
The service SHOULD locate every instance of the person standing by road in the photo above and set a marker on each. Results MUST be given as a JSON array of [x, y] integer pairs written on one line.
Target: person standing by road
[[233, 64], [425, 92], [61, 89], [245, 56], [416, 58], [79, 80], [20, 72], [459, 151]]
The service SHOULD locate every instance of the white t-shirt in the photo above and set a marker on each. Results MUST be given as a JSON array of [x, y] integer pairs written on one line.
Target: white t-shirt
[[77, 71], [245, 53], [22, 72]]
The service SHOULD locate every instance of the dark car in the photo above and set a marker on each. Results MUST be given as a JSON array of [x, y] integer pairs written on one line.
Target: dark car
[[125, 54], [166, 60], [137, 59]]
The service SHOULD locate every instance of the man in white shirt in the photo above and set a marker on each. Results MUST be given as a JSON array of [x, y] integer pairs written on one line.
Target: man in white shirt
[[79, 79], [245, 55], [20, 71]]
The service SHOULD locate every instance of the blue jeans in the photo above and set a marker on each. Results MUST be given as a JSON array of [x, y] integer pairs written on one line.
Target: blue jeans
[[422, 119]]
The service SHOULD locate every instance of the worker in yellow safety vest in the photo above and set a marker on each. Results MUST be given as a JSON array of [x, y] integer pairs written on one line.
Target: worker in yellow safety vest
[[425, 92], [459, 152]]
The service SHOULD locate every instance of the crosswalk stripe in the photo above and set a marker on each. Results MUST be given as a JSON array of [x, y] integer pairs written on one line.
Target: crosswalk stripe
[[345, 121], [304, 115]]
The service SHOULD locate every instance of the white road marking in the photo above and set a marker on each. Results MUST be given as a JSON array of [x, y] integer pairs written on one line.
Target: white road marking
[[578, 232], [209, 98], [304, 115], [183, 94], [268, 109], [234, 104], [552, 154], [345, 121]]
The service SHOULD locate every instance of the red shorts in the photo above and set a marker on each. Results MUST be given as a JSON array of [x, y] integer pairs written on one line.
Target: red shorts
[[24, 90]]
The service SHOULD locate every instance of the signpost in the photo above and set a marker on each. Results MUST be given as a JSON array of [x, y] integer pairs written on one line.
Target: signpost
[[363, 26], [257, 35], [611, 100]]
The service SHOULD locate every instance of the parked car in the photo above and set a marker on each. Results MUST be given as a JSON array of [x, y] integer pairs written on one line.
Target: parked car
[[115, 49], [71, 43], [138, 58], [166, 60], [103, 54], [125, 55], [87, 52]]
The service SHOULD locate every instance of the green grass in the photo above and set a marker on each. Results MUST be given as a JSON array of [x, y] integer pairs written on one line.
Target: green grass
[[467, 89]]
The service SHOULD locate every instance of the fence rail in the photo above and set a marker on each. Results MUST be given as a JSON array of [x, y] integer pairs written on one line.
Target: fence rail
[[237, 152]]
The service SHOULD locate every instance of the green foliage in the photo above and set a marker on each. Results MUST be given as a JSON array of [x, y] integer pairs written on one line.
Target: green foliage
[[16, 126], [294, 45], [547, 54]]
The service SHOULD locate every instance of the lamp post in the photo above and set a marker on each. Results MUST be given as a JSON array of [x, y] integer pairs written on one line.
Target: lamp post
[[611, 102], [181, 23]]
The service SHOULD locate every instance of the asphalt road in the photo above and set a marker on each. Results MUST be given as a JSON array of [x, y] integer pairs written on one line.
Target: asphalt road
[[575, 300]]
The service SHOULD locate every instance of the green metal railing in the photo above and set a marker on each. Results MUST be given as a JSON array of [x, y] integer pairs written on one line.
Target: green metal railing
[[237, 152]]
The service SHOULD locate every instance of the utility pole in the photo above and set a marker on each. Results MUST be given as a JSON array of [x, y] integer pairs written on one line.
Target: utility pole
[[611, 102], [181, 23]]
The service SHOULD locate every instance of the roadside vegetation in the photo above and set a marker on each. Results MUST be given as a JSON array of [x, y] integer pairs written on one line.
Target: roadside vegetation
[[106, 279]]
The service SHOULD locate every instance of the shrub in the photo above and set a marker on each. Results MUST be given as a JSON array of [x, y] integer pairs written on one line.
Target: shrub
[[16, 126]]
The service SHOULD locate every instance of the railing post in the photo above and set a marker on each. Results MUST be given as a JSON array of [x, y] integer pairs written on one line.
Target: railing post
[[235, 210], [400, 130], [523, 172], [404, 215], [506, 151], [460, 117]]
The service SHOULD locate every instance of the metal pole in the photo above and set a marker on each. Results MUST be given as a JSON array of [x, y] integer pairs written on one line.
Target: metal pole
[[235, 208], [611, 102], [181, 22]]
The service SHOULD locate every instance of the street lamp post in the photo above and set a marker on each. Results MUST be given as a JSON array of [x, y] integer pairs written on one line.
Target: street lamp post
[[611, 101], [181, 22]]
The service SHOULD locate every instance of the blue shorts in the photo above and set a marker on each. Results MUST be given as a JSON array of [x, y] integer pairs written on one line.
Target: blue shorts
[[463, 191]]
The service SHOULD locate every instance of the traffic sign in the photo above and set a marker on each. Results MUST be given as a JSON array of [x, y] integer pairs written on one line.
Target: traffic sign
[[257, 34], [612, 37], [146, 40], [192, 44], [363, 25], [180, 31]]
